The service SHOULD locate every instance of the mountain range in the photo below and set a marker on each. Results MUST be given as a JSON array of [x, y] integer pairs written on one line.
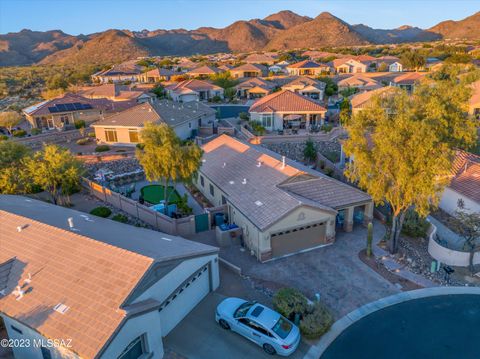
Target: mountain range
[[280, 31]]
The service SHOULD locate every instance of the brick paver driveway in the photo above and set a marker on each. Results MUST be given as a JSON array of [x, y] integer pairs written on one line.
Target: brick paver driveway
[[335, 271]]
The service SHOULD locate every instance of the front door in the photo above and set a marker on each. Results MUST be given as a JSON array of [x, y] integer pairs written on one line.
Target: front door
[[50, 123]]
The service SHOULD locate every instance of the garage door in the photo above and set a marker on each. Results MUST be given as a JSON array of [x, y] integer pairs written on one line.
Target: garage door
[[297, 239], [184, 299]]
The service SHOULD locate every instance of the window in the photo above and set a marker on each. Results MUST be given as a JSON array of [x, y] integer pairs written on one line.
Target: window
[[64, 119], [189, 125], [282, 327], [202, 181], [135, 349], [257, 327], [16, 329], [212, 190], [110, 135], [46, 353], [133, 135], [267, 119], [224, 200]]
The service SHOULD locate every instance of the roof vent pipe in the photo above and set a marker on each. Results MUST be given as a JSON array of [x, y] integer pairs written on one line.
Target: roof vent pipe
[[70, 222], [244, 181], [283, 162]]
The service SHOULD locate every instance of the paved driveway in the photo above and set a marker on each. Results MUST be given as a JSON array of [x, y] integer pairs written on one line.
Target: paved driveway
[[198, 336], [334, 271]]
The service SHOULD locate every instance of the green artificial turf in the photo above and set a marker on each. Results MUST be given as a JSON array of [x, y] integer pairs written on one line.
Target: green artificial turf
[[155, 193]]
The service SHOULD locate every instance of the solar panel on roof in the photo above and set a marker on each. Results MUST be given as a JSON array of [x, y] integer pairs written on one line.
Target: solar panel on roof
[[70, 107], [52, 109], [61, 107]]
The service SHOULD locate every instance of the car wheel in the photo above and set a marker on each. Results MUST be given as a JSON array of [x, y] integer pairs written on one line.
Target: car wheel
[[224, 324], [269, 349]]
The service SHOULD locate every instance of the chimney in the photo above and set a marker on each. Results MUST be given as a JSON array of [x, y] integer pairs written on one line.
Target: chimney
[[283, 162]]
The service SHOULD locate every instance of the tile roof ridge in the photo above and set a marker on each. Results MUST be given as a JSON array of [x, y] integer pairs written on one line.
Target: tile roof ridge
[[78, 235]]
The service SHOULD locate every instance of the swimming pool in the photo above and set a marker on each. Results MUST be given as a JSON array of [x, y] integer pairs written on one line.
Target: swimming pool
[[230, 110]]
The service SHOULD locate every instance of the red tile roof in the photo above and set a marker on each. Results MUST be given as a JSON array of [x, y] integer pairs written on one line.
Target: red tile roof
[[466, 171], [305, 64], [68, 268], [286, 101]]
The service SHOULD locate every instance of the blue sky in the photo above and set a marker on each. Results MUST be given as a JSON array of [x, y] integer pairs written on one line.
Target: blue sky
[[88, 16]]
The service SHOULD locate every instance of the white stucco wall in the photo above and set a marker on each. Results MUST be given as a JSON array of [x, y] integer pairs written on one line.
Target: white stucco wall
[[450, 199], [170, 282], [145, 324], [26, 348]]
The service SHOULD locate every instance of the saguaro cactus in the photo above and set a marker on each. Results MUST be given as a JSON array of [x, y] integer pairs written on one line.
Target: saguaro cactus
[[369, 239]]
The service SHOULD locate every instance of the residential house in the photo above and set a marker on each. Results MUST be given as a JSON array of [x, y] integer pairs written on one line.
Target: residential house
[[193, 90], [127, 71], [474, 102], [348, 65], [225, 67], [61, 113], [362, 100], [83, 286], [116, 92], [281, 206], [203, 72], [307, 68], [408, 80], [464, 189], [124, 127], [254, 88], [287, 110], [259, 59], [358, 81], [306, 86], [185, 64], [156, 75], [395, 67], [249, 70]]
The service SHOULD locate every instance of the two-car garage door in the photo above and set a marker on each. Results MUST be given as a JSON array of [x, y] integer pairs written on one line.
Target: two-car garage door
[[184, 299], [298, 239]]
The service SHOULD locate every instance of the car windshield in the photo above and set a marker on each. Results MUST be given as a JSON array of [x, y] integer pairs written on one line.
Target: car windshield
[[243, 309], [282, 328]]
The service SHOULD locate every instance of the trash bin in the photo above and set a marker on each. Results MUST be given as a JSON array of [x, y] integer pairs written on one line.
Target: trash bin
[[219, 219]]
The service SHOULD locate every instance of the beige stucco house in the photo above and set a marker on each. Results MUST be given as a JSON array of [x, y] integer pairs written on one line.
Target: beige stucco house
[[249, 70], [194, 90], [348, 66], [61, 113], [307, 68], [281, 206], [287, 110], [124, 128], [306, 86]]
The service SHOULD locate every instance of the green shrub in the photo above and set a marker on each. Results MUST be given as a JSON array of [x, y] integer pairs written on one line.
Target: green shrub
[[243, 116], [3, 137], [316, 321], [329, 171], [288, 301], [20, 133], [101, 212], [79, 124], [102, 148], [140, 146], [326, 128], [216, 99], [91, 134], [333, 156], [414, 225], [82, 141], [257, 128], [120, 218], [36, 131]]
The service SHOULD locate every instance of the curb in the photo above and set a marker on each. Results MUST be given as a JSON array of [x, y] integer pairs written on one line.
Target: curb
[[235, 269], [340, 325]]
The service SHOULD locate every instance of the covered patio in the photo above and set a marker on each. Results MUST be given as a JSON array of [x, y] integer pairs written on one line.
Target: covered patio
[[305, 121]]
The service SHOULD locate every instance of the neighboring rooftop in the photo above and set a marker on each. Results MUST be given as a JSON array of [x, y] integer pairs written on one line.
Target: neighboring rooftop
[[466, 172], [263, 188], [90, 270], [286, 101], [204, 70], [193, 85], [161, 111], [305, 64]]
